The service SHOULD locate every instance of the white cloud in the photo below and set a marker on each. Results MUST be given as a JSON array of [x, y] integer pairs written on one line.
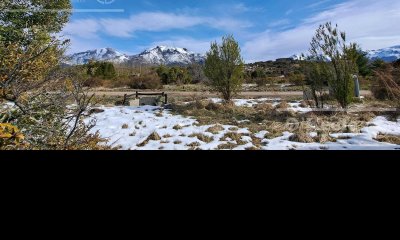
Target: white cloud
[[241, 8], [373, 24], [85, 28], [279, 23], [148, 21], [317, 4]]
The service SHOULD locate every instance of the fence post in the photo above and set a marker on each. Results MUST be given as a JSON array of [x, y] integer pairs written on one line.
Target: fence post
[[166, 99], [124, 102]]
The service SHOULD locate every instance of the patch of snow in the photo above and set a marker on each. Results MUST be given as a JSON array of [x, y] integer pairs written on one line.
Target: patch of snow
[[145, 120], [142, 121]]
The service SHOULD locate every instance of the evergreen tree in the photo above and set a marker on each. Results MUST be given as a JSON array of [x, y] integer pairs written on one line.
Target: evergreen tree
[[224, 67], [360, 57]]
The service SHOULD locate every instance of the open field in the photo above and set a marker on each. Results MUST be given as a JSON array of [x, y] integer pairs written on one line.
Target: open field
[[248, 124]]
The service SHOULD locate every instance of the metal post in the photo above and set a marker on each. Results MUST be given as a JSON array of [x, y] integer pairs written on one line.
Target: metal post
[[356, 86]]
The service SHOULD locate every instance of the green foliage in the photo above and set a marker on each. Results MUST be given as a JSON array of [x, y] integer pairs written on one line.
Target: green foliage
[[258, 73], [296, 79], [31, 79], [174, 75], [163, 73], [316, 76], [360, 58], [225, 67], [378, 65], [329, 43], [103, 70], [31, 16]]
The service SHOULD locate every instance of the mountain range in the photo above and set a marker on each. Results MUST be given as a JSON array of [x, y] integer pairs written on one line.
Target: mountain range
[[388, 54], [154, 56], [181, 56]]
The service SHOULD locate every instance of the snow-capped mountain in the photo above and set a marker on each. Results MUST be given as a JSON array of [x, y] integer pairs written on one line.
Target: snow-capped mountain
[[389, 54], [154, 56], [298, 57], [103, 54], [168, 56]]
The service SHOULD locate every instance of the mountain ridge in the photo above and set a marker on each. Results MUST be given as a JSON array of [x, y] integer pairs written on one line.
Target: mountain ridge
[[153, 56]]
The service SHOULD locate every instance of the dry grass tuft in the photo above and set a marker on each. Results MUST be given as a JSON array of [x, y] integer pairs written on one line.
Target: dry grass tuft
[[388, 139], [177, 127], [264, 107], [152, 137], [283, 105], [302, 134], [193, 144], [125, 126], [215, 129], [167, 136], [202, 137], [213, 106], [304, 104], [177, 142], [234, 136], [227, 146]]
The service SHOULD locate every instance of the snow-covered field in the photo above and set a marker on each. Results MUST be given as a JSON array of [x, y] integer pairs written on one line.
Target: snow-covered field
[[294, 106], [130, 127]]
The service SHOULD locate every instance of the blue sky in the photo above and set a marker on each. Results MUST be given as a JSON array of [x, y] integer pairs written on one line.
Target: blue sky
[[265, 29]]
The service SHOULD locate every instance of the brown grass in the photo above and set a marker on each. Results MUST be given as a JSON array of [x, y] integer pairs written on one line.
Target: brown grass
[[388, 139], [304, 104], [213, 106], [302, 134], [177, 127], [194, 144], [227, 146], [177, 142], [215, 129], [235, 137], [125, 126], [283, 105], [233, 129], [264, 107], [202, 137], [152, 137]]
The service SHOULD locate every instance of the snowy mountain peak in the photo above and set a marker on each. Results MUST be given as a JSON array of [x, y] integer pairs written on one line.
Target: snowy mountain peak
[[154, 56], [389, 54], [168, 56], [102, 54]]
